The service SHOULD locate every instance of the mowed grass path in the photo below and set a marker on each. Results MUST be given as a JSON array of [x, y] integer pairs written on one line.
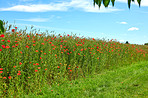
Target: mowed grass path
[[124, 82]]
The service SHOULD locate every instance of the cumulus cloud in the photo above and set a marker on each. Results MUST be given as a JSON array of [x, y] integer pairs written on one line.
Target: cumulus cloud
[[85, 5], [123, 22], [133, 28], [143, 2]]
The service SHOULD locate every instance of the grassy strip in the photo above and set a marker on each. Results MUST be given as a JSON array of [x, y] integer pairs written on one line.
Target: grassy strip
[[127, 82]]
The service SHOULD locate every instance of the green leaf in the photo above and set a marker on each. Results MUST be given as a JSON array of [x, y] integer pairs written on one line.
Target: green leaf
[[99, 3], [106, 2], [139, 2], [1, 26], [113, 2], [129, 3], [94, 2]]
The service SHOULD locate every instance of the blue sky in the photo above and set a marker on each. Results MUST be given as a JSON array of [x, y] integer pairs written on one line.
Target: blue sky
[[80, 17]]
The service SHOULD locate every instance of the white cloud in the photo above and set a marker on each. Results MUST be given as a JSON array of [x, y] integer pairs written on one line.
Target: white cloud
[[143, 2], [122, 41], [35, 19], [133, 28], [85, 5], [37, 8], [123, 22]]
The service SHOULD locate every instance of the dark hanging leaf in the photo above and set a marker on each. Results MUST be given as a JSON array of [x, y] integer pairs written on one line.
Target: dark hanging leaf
[[139, 2], [94, 2], [106, 2], [133, 0], [1, 26], [113, 2], [129, 3], [99, 3]]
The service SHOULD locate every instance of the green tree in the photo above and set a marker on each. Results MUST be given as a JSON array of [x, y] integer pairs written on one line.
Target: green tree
[[106, 2], [1, 27]]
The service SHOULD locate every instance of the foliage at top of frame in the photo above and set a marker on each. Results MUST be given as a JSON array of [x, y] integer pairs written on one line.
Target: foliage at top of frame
[[106, 2], [1, 27]]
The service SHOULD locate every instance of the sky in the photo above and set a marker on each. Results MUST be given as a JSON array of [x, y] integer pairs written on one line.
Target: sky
[[81, 18]]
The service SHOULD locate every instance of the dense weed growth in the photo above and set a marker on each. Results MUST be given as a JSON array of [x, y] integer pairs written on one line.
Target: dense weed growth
[[28, 62]]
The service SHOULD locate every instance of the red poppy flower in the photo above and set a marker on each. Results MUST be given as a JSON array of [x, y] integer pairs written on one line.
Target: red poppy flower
[[3, 46], [9, 77], [0, 49], [7, 47], [8, 40], [2, 35], [36, 70], [45, 69], [27, 46], [20, 63], [1, 71], [4, 77], [50, 42], [13, 30], [39, 67], [18, 74], [15, 27]]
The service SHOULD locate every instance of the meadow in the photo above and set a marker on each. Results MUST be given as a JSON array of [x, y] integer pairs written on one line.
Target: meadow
[[32, 61]]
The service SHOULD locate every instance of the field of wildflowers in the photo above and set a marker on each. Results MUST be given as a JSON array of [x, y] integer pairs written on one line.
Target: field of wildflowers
[[29, 61]]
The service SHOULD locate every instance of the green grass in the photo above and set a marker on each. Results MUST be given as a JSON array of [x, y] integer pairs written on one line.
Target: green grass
[[124, 82]]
